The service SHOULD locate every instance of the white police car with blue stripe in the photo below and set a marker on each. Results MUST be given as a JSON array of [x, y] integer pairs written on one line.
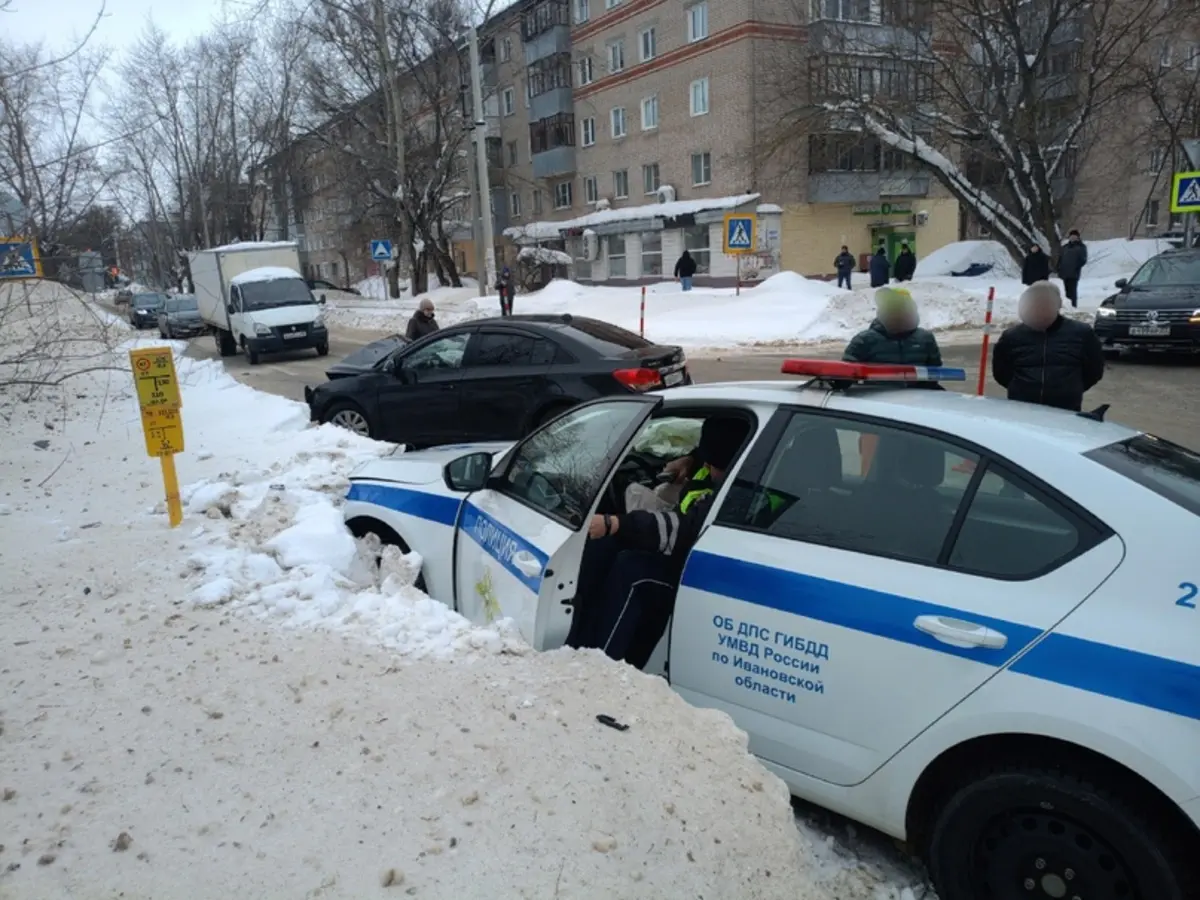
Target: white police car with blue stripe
[[969, 623]]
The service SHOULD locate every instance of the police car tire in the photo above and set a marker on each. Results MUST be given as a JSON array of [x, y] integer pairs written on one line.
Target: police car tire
[[1153, 855]]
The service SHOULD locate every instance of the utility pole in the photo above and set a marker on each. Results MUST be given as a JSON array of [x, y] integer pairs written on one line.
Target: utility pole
[[488, 273], [476, 218]]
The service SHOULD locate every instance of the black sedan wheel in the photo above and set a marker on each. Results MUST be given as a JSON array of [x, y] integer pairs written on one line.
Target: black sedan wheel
[[1039, 834], [350, 417]]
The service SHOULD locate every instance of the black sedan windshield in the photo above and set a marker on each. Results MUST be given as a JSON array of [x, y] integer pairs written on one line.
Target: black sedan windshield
[[1168, 271], [182, 304], [258, 295], [149, 301]]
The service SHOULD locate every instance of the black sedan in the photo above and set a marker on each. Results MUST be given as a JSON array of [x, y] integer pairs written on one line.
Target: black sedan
[[1157, 309], [180, 318], [494, 379], [143, 309]]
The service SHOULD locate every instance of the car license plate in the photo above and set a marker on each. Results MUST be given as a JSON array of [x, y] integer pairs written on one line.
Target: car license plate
[[1149, 330], [292, 335], [673, 378]]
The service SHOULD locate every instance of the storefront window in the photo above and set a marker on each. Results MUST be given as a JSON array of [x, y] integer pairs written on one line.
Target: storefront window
[[652, 253], [695, 241], [616, 256]]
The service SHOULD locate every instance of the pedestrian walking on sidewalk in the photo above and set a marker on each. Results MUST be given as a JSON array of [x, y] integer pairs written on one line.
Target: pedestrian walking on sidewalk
[[844, 264], [1071, 260]]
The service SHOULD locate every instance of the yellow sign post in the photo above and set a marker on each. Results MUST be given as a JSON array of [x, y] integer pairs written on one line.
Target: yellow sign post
[[162, 419]]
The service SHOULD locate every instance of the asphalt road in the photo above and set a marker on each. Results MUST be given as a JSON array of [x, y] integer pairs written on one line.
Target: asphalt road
[[1154, 394]]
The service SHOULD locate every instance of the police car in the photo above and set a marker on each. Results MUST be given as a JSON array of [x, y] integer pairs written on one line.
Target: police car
[[971, 624]]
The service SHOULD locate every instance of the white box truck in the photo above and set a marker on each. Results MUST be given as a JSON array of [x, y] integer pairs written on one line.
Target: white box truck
[[253, 298]]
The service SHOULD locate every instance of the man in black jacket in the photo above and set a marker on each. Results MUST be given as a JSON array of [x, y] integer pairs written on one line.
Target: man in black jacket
[[1047, 359], [1071, 260], [685, 270], [1036, 266], [844, 264], [635, 560], [906, 264]]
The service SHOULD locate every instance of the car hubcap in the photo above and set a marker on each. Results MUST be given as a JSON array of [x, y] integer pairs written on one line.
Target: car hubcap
[[351, 421], [1047, 856]]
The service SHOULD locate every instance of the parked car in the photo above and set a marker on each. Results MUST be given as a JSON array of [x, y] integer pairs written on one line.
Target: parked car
[[124, 296], [493, 379], [330, 291], [143, 309], [1157, 309], [980, 638], [364, 359], [180, 317]]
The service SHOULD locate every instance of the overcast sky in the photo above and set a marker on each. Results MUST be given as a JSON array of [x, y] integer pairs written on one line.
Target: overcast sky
[[61, 22]]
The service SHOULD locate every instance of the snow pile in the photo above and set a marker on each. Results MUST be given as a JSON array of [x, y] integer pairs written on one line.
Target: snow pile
[[961, 255], [545, 255], [1120, 258], [544, 231], [313, 763]]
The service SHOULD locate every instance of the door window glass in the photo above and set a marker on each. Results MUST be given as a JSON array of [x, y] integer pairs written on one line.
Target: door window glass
[[503, 349], [444, 353], [856, 486], [1009, 532], [560, 468]]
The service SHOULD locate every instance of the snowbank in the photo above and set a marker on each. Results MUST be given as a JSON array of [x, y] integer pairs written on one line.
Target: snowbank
[[961, 255], [545, 255], [1120, 258], [165, 737]]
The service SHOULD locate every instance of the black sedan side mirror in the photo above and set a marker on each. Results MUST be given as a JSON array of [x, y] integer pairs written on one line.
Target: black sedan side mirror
[[469, 473], [1121, 283], [322, 300]]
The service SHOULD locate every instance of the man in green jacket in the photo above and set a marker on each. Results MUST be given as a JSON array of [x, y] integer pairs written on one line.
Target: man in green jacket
[[894, 337]]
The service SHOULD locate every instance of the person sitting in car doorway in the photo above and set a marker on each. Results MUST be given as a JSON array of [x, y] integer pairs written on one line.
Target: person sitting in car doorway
[[633, 562], [422, 322]]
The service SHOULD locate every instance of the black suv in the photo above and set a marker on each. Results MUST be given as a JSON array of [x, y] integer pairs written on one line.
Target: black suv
[[144, 309], [1157, 309]]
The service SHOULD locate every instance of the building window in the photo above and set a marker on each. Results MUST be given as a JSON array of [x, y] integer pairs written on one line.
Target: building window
[[588, 131], [512, 153], [509, 101], [586, 71], [616, 256], [652, 253], [1158, 158], [842, 10], [616, 56], [544, 16], [699, 97], [1151, 213], [621, 184], [591, 189], [506, 50], [695, 242], [514, 205], [563, 195], [650, 178], [611, 4], [618, 122], [583, 11], [553, 131], [649, 113], [1164, 56], [697, 19], [701, 169], [549, 73], [648, 44], [537, 202]]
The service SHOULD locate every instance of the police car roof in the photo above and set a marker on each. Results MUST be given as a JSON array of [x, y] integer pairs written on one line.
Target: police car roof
[[984, 420]]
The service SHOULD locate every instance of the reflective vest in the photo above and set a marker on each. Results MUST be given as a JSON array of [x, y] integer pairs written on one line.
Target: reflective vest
[[703, 476]]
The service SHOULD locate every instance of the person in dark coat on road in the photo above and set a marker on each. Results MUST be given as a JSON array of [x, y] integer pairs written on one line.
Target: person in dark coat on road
[[844, 264], [1047, 359], [906, 264], [1036, 266], [504, 287], [685, 270], [895, 336], [880, 269], [1071, 260], [422, 321]]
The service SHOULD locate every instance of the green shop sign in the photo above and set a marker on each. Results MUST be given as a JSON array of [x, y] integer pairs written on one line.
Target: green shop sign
[[883, 209]]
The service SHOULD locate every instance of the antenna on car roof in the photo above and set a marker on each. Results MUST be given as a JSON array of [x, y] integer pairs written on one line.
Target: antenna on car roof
[[1096, 414]]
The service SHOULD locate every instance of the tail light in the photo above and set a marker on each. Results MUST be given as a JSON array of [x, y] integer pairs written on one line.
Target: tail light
[[639, 379]]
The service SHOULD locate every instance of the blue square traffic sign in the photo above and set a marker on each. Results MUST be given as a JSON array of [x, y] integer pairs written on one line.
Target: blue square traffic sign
[[381, 251], [739, 233], [1185, 192]]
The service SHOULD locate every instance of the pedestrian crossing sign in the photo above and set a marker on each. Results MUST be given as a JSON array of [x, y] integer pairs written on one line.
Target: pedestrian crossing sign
[[1185, 192], [739, 234]]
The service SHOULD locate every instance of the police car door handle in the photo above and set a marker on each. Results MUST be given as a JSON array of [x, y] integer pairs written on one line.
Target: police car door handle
[[527, 563], [958, 633]]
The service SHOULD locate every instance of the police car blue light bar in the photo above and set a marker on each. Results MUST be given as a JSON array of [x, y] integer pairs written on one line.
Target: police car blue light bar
[[833, 370]]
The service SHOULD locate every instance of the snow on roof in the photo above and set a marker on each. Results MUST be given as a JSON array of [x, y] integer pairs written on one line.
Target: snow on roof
[[545, 231], [545, 255], [253, 245], [264, 273], [769, 208]]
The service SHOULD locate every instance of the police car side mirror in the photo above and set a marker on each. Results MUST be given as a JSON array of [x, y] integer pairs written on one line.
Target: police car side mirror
[[468, 473], [1121, 283]]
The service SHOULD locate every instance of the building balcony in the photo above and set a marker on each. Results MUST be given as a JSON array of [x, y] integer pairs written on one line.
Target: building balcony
[[838, 36], [551, 103], [554, 162], [865, 187]]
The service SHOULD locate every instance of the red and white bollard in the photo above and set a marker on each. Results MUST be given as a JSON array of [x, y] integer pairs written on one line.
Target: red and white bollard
[[987, 336], [642, 314]]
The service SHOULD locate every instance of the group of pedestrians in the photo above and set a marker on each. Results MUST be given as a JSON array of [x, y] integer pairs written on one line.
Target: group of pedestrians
[[879, 268], [1071, 260]]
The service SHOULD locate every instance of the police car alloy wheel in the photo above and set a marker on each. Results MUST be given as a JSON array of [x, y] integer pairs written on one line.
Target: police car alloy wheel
[[1042, 833]]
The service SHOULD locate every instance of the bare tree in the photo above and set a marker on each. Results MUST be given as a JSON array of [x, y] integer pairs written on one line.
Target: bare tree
[[998, 100]]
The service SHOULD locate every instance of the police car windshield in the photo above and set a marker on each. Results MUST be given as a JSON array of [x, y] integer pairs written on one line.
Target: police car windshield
[[1168, 271], [1168, 469]]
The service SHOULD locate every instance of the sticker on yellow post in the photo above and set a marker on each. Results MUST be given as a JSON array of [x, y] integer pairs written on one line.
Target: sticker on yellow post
[[154, 377], [163, 429]]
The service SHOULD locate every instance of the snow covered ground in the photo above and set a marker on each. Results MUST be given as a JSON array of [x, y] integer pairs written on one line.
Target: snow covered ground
[[244, 706], [785, 310]]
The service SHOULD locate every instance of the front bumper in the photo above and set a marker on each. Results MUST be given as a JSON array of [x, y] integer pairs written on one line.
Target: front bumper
[[189, 330], [141, 320], [1115, 334], [279, 342]]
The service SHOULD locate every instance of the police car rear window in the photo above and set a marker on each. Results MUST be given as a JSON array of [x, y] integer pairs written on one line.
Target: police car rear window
[[1171, 471]]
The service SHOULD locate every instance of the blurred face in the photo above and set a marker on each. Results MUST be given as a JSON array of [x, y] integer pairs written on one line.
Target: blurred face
[[427, 308], [1035, 249], [1038, 310]]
